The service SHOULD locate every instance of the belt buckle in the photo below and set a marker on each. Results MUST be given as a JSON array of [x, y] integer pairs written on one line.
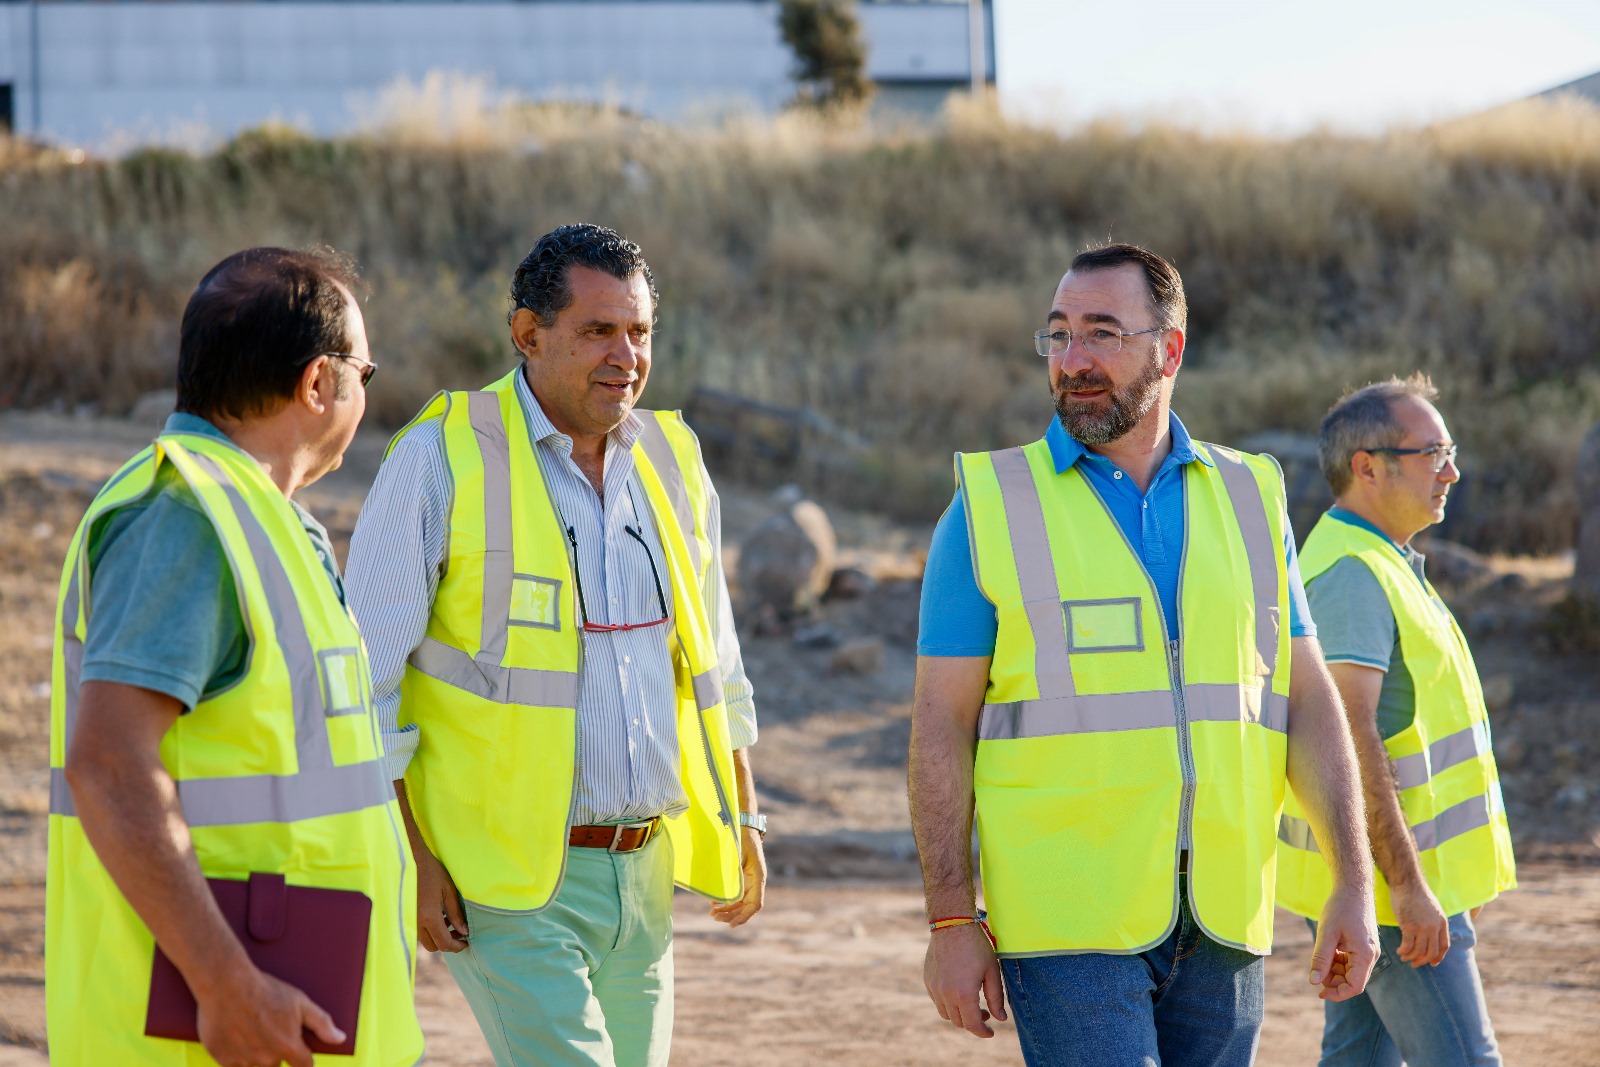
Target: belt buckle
[[616, 835]]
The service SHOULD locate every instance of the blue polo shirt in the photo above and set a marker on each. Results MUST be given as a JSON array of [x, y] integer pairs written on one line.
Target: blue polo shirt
[[958, 620]]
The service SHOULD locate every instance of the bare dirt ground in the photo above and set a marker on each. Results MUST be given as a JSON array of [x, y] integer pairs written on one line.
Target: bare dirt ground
[[832, 969]]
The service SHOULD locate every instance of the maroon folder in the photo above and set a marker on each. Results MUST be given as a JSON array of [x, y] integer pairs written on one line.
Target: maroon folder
[[314, 939]]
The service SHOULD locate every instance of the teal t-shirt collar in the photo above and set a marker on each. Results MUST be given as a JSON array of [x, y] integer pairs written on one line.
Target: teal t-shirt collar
[[1066, 450], [183, 422], [1352, 519]]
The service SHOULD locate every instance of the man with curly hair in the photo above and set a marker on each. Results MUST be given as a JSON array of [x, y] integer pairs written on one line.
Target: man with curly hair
[[566, 714]]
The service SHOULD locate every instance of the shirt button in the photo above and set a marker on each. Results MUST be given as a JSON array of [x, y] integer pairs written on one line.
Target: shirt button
[[628, 659], [1117, 475], [636, 722], [1146, 504]]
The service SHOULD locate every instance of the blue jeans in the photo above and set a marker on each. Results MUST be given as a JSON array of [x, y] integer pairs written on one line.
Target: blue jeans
[[1189, 1002], [1422, 1016]]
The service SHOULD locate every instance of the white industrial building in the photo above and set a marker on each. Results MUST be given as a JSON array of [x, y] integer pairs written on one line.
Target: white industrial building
[[93, 71]]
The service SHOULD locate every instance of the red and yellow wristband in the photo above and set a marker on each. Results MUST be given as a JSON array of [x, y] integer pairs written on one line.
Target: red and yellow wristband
[[963, 920]]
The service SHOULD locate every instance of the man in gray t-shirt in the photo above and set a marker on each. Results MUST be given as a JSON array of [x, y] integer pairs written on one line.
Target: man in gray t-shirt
[[1391, 463]]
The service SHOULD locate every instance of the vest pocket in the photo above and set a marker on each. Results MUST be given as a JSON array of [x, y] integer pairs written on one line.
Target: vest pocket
[[341, 681], [535, 602], [1104, 625]]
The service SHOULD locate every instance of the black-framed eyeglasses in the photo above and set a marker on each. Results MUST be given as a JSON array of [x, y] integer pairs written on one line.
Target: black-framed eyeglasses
[[1442, 454], [1102, 340], [616, 627], [368, 368]]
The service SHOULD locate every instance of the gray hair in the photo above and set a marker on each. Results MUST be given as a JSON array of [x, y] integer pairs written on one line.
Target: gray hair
[[1364, 419]]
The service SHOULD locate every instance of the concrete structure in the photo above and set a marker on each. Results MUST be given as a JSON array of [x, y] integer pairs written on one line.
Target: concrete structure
[[93, 71], [1588, 88]]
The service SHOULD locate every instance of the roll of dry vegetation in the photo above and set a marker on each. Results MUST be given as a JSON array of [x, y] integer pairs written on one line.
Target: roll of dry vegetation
[[888, 278]]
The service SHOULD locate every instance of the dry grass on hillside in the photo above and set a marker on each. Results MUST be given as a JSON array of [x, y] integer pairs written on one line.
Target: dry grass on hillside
[[886, 278]]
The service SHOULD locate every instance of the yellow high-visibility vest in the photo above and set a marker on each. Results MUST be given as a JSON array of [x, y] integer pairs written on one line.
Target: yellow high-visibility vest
[[282, 772], [1102, 744], [1443, 762], [494, 684]]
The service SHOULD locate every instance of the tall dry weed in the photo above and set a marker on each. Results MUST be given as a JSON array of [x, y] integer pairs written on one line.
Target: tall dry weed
[[886, 277]]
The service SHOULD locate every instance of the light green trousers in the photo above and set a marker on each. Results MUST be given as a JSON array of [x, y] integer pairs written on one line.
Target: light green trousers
[[588, 980]]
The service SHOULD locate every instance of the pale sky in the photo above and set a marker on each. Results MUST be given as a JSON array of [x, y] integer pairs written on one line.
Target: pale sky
[[1287, 65]]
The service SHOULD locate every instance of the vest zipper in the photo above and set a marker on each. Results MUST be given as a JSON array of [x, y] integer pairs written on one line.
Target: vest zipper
[[1185, 745], [1191, 778], [1174, 669]]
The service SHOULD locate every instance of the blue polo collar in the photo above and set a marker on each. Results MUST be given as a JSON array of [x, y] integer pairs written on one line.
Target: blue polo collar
[[1066, 450]]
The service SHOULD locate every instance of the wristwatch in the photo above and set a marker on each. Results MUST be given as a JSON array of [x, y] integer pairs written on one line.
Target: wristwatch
[[758, 823]]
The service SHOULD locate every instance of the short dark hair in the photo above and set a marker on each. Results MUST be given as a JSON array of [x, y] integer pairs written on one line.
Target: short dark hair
[[540, 283], [1364, 419], [1167, 301], [253, 323]]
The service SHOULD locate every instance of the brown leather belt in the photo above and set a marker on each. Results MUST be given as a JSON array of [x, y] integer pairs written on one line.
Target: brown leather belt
[[621, 837]]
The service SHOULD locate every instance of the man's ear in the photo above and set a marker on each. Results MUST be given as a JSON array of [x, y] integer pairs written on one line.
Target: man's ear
[[1362, 466], [525, 331], [1172, 343], [317, 385]]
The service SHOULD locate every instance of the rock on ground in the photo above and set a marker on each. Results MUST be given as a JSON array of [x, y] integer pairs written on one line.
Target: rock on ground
[[785, 563]]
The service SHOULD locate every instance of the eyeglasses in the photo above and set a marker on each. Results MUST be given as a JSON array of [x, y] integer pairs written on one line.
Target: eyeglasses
[[368, 368], [1442, 454], [608, 627], [1101, 340]]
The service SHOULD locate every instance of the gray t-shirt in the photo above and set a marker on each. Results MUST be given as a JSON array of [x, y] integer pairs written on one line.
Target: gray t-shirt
[[164, 613], [1356, 625]]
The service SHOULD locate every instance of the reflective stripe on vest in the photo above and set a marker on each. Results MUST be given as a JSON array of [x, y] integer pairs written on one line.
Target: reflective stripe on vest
[[1060, 709], [1458, 819], [1459, 747], [658, 450], [318, 787]]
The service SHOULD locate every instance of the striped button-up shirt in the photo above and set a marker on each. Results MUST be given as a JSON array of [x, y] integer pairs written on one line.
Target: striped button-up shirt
[[627, 698]]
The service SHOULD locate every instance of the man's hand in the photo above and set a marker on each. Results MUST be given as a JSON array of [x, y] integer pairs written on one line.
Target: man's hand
[[960, 963], [1347, 944], [1424, 927], [738, 912], [441, 918], [258, 1022]]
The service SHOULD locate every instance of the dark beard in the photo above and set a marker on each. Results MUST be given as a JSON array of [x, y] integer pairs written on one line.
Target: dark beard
[[1101, 426]]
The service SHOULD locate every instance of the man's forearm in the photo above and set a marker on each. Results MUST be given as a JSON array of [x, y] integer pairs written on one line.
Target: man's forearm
[[1322, 767], [940, 774], [1393, 849], [129, 809], [745, 781]]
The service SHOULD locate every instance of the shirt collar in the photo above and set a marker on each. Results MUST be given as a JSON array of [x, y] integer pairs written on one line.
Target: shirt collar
[[1352, 519], [542, 430], [1067, 450], [184, 422]]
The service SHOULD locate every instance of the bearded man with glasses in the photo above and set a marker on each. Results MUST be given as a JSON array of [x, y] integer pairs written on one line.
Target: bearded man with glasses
[[1411, 691], [538, 572], [1117, 672]]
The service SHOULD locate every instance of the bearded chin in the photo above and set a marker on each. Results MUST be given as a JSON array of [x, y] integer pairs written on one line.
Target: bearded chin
[[1127, 406]]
